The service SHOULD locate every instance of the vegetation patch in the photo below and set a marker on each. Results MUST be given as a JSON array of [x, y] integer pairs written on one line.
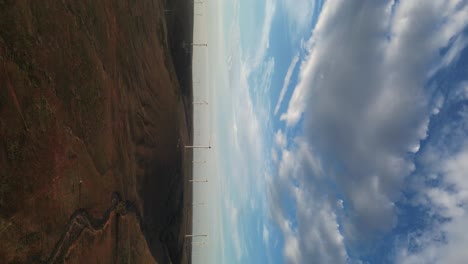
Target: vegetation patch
[[30, 239], [40, 114], [7, 187], [13, 146], [121, 208]]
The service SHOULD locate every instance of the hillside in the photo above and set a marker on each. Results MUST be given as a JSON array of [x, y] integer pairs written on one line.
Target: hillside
[[94, 112]]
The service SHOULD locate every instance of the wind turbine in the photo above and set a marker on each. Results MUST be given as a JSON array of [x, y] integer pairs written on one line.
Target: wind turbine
[[195, 44], [199, 44], [185, 46], [200, 102], [198, 180], [199, 146], [198, 235]]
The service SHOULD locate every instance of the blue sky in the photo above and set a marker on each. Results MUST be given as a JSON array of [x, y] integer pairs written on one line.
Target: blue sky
[[339, 131]]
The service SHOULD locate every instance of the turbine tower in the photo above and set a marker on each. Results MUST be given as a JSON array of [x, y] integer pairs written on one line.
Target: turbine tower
[[198, 180], [194, 44], [198, 147], [200, 102], [199, 44], [198, 235]]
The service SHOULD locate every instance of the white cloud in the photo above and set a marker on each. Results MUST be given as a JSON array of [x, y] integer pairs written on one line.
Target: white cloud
[[452, 54], [444, 159], [299, 14], [291, 249], [461, 93], [317, 235], [266, 234], [250, 79], [280, 139], [444, 242], [264, 42], [234, 228], [287, 79], [320, 236], [246, 111], [361, 93], [274, 155], [250, 117]]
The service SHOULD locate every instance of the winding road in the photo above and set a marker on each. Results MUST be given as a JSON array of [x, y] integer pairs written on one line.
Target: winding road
[[81, 220]]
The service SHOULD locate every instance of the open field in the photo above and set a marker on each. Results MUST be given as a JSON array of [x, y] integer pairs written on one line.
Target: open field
[[95, 99]]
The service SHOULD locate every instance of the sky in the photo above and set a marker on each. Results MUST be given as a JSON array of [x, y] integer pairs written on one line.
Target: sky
[[339, 131]]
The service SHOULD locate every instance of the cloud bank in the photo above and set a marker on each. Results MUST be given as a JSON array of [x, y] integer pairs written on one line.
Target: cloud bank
[[365, 105], [445, 160]]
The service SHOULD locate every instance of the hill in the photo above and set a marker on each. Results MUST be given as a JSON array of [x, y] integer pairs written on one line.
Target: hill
[[95, 108]]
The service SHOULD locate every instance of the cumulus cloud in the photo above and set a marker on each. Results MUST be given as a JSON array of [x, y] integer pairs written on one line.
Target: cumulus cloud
[[446, 239], [362, 96], [280, 139], [314, 234]]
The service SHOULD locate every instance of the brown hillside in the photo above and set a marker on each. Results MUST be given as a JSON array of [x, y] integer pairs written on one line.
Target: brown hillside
[[94, 112]]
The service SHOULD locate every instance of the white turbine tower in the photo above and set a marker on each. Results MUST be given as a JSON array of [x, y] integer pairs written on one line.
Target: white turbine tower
[[199, 44], [197, 235], [194, 44], [200, 102], [198, 180], [199, 146]]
